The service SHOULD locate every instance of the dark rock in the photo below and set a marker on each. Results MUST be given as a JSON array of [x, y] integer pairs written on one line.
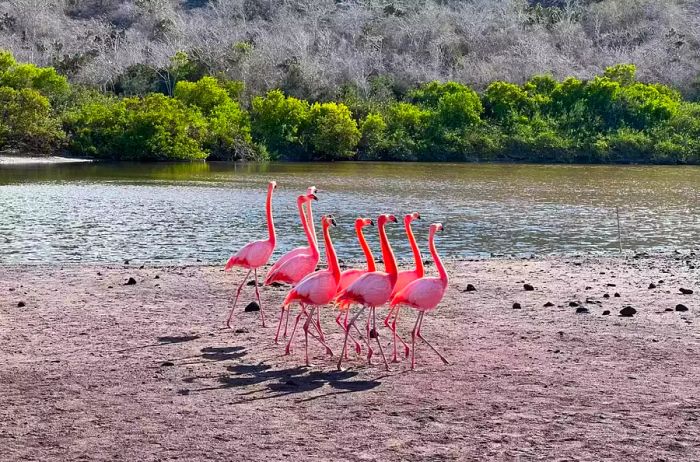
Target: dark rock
[[130, 282], [686, 291], [661, 281], [516, 306], [470, 288], [167, 364], [588, 287], [252, 306], [99, 274], [241, 330], [627, 312], [668, 309], [252, 283], [528, 287], [21, 305], [581, 310], [373, 333], [126, 262], [652, 286], [573, 304], [276, 284], [142, 266], [606, 313], [611, 284], [616, 295], [681, 307], [156, 277], [548, 305], [606, 296]]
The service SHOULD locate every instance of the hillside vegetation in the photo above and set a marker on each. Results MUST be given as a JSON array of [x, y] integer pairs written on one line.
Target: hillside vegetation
[[373, 80]]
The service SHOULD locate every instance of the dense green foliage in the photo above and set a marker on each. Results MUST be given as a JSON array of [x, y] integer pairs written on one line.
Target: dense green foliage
[[612, 117]]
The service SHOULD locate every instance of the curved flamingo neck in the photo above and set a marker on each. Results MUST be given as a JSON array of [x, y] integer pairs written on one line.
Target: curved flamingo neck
[[420, 271], [310, 220], [388, 255], [270, 222], [371, 266], [309, 237], [436, 259], [332, 258]]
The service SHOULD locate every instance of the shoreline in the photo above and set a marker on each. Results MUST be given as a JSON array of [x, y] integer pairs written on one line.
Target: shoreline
[[33, 160], [93, 368]]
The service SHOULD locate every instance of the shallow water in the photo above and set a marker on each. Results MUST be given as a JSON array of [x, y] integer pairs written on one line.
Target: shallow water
[[180, 213]]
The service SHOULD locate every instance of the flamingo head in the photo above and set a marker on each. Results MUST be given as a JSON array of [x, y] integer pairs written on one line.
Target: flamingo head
[[411, 216], [328, 220], [272, 185], [436, 227], [362, 222], [312, 190], [311, 197], [386, 218]]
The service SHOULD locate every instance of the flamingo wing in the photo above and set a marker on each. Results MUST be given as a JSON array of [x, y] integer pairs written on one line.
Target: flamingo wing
[[369, 289], [288, 256], [293, 270], [252, 255], [315, 289], [422, 294]]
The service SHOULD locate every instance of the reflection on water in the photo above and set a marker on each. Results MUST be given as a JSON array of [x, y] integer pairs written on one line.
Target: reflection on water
[[185, 212]]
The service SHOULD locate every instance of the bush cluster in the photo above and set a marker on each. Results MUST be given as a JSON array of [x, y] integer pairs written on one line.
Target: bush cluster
[[612, 118]]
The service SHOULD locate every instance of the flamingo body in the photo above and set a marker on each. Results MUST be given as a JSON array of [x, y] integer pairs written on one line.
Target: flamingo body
[[252, 255], [370, 289], [422, 294], [316, 289]]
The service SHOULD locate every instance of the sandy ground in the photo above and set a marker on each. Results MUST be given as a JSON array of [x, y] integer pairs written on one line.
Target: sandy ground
[[92, 369], [19, 160]]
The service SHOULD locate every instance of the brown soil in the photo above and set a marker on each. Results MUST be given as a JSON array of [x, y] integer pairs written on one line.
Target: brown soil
[[92, 369]]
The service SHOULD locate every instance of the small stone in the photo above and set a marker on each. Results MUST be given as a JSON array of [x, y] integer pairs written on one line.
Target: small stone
[[686, 291], [156, 277], [142, 266], [99, 274], [470, 288], [606, 296], [588, 288], [167, 364], [661, 281], [611, 284], [548, 305], [373, 333], [668, 309], [252, 306], [252, 283], [241, 330], [130, 282], [627, 312], [681, 307], [528, 287], [652, 286], [606, 313], [582, 310], [516, 306], [21, 305], [126, 262], [573, 304], [616, 295]]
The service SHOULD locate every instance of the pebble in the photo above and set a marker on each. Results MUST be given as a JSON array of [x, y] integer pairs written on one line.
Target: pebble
[[606, 296], [548, 304], [21, 305], [581, 310], [617, 295], [573, 304], [470, 288], [606, 312], [686, 291], [252, 306], [681, 307], [652, 286], [130, 282], [516, 306], [627, 312], [528, 287]]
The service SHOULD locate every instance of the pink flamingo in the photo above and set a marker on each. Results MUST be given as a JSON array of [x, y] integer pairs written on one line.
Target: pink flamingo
[[254, 255], [315, 290], [405, 278], [372, 289], [303, 261], [424, 295], [347, 277]]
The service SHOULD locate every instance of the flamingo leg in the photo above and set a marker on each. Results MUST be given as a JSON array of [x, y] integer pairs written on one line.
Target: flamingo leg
[[318, 323], [279, 324], [329, 351], [369, 347], [428, 343], [288, 348], [368, 335], [286, 324], [358, 348], [413, 341], [394, 359], [235, 301], [388, 316], [257, 294], [376, 336], [309, 319], [347, 332]]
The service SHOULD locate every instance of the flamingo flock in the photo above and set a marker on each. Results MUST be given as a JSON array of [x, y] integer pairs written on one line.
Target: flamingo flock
[[330, 288]]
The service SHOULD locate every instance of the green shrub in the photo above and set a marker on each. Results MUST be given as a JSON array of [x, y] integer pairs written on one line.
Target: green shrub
[[276, 122], [330, 132], [26, 122]]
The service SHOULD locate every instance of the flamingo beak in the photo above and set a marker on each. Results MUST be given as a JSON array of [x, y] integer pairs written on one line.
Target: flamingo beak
[[333, 222], [313, 196], [371, 222], [418, 216], [393, 219]]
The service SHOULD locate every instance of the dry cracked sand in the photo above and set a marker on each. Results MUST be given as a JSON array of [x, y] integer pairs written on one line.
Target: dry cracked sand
[[93, 369]]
